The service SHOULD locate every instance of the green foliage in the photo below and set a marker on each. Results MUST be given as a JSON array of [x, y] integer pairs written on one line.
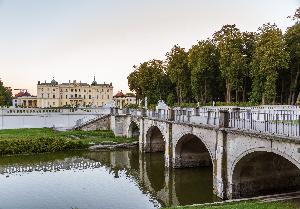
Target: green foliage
[[203, 61], [270, 56], [5, 95], [27, 141], [233, 63], [179, 73], [292, 38], [233, 66], [38, 145], [149, 80]]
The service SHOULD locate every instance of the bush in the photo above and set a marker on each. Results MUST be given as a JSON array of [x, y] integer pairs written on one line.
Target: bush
[[38, 145]]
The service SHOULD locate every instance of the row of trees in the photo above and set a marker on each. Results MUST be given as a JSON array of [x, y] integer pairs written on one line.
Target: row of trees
[[260, 67], [5, 95]]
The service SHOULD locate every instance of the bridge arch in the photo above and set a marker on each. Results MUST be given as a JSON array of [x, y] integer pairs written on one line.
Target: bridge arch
[[133, 130], [262, 172], [191, 151], [155, 141]]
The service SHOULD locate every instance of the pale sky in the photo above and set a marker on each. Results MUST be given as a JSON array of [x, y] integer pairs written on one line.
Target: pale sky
[[77, 39]]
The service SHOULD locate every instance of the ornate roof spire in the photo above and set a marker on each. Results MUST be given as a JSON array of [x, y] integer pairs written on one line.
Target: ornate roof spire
[[94, 82]]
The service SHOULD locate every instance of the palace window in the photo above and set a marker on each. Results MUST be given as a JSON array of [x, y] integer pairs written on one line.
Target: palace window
[[107, 96], [66, 90], [83, 96], [75, 90], [72, 90], [90, 96], [75, 95], [71, 95], [53, 96], [48, 95], [66, 96], [53, 89], [42, 95]]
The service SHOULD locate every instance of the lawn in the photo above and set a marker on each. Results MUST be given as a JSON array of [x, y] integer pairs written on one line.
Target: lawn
[[40, 140], [243, 205]]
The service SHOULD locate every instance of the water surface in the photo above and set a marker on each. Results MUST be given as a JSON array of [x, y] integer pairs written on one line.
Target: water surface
[[107, 180]]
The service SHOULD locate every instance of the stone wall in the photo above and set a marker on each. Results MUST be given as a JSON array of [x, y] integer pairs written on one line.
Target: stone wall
[[100, 124]]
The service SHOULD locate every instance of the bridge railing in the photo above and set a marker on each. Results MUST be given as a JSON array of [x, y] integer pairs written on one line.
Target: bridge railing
[[275, 121], [197, 116], [286, 124]]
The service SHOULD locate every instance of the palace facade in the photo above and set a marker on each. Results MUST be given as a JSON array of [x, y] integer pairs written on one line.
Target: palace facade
[[73, 93]]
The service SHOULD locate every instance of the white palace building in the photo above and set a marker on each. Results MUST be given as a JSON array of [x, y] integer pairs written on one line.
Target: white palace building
[[74, 93]]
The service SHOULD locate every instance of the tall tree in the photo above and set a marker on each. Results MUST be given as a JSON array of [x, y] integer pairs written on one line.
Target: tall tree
[[179, 72], [232, 62], [203, 61], [270, 56], [5, 95], [133, 83], [292, 38], [248, 46], [149, 80]]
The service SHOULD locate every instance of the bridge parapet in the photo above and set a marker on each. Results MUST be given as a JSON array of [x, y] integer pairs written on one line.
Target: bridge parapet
[[273, 121]]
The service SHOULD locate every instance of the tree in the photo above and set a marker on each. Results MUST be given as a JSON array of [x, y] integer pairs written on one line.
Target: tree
[[179, 72], [292, 38], [270, 56], [5, 95], [248, 46], [133, 83], [149, 80], [203, 61], [232, 62]]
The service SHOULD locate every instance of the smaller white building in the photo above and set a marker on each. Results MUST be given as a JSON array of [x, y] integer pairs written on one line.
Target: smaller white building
[[122, 100], [24, 99]]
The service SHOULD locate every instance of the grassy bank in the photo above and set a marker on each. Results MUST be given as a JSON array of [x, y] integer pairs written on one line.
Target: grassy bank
[[244, 205], [29, 141]]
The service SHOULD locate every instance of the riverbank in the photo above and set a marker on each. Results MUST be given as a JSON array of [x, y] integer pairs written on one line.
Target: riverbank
[[242, 205], [42, 140]]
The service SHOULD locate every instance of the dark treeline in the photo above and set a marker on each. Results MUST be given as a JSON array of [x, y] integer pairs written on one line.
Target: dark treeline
[[260, 67]]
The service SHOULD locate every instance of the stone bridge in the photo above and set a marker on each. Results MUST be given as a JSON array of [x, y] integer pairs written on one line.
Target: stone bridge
[[245, 163]]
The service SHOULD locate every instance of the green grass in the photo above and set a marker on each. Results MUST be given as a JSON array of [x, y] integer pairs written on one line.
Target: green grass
[[28, 141], [243, 205]]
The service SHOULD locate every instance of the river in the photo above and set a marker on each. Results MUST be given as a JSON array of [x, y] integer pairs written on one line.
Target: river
[[123, 179]]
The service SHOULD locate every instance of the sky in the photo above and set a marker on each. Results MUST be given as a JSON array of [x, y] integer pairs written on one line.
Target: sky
[[80, 39]]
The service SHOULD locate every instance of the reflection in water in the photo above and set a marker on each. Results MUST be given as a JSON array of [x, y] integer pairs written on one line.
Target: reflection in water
[[107, 179]]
